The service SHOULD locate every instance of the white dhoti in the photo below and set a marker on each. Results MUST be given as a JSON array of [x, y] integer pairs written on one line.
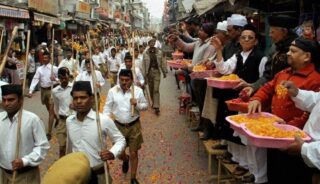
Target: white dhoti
[[257, 161], [210, 106]]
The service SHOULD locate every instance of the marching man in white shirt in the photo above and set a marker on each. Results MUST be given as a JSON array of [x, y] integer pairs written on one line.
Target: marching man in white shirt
[[70, 63], [62, 100], [138, 78], [114, 64], [33, 142], [118, 105], [87, 76], [46, 79], [83, 132]]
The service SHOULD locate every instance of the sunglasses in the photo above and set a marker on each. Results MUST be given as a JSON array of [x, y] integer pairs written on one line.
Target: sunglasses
[[247, 37]]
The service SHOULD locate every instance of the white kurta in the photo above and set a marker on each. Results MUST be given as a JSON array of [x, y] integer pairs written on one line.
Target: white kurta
[[84, 136], [33, 144]]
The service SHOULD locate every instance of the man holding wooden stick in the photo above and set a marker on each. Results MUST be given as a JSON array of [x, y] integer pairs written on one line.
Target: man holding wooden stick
[[82, 130], [33, 146], [46, 77], [118, 105]]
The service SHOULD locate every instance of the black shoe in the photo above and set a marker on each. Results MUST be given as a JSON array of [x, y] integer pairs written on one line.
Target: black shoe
[[157, 111], [220, 146], [49, 137], [196, 129], [205, 137], [248, 179], [134, 181], [125, 165]]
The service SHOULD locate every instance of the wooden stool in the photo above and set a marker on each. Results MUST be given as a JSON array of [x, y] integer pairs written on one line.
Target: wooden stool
[[194, 115]]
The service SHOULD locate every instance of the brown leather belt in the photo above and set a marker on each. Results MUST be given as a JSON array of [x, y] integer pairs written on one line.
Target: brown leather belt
[[48, 88], [22, 170], [127, 124], [63, 117]]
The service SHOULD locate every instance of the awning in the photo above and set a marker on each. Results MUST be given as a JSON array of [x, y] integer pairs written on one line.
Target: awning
[[7, 11], [46, 18], [82, 22], [204, 6]]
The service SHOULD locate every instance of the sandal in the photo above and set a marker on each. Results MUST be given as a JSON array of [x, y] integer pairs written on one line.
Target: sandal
[[239, 171]]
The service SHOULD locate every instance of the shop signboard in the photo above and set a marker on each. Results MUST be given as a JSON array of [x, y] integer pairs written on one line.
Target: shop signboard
[[45, 6]]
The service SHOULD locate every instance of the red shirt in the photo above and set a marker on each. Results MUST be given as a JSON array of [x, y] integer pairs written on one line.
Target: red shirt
[[307, 78]]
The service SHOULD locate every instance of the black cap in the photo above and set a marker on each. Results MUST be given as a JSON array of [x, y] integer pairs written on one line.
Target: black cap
[[126, 72], [127, 56], [11, 89], [307, 46], [63, 71], [82, 86], [250, 27], [283, 21]]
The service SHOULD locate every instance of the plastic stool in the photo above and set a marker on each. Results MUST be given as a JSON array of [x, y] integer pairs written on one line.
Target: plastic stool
[[184, 99]]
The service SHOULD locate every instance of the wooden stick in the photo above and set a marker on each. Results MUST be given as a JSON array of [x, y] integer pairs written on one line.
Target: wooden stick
[[72, 40], [94, 81], [52, 56], [21, 109], [4, 59], [2, 31], [133, 69]]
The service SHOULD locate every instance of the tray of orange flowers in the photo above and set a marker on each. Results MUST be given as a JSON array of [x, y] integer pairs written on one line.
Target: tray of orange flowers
[[272, 135], [224, 82], [258, 118], [202, 71], [179, 63]]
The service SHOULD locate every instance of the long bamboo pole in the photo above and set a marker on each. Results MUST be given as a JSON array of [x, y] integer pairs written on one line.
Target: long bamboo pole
[[21, 109], [133, 69], [4, 59], [52, 56], [94, 81], [1, 38]]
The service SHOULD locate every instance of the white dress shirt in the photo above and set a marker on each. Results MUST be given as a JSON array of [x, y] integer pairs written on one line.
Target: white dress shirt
[[310, 101], [137, 78], [228, 67], [85, 76], [113, 63], [62, 99], [43, 75], [31, 64], [138, 62], [118, 104], [33, 141], [97, 60], [71, 64], [84, 136]]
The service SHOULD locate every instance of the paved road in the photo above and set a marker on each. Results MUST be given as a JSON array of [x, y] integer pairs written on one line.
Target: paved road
[[169, 153]]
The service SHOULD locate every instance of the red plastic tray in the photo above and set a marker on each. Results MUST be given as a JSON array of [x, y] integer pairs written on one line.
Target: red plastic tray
[[271, 142], [238, 107], [237, 127], [205, 74], [222, 84]]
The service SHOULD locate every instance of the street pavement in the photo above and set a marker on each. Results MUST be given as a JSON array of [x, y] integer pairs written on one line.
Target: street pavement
[[169, 153]]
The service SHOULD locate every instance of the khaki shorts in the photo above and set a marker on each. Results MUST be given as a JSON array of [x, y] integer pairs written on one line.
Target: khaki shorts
[[61, 132], [46, 96], [133, 135]]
